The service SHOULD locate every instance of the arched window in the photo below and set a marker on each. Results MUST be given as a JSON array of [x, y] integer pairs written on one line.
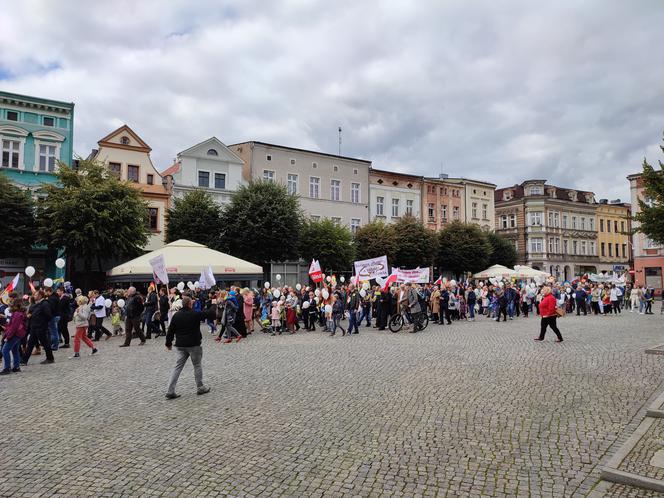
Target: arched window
[[212, 152], [124, 140]]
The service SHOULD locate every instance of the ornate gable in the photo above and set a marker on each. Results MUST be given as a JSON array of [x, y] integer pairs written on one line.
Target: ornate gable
[[213, 149], [124, 138]]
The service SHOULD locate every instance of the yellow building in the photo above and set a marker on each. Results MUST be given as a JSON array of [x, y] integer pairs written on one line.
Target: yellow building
[[614, 240]]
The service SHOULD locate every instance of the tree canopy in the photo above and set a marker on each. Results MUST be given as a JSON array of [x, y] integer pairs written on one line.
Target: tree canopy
[[463, 247], [92, 214], [415, 245], [329, 242], [651, 215], [195, 217], [261, 223], [503, 251], [17, 209], [375, 239]]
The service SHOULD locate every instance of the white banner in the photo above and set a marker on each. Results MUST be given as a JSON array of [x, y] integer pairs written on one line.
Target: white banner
[[159, 269], [372, 268], [416, 276], [207, 280]]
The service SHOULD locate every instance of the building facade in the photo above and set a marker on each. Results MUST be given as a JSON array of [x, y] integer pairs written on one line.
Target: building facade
[[648, 254], [393, 195], [128, 157], [328, 185], [209, 166], [478, 202], [35, 135], [554, 229], [442, 202], [614, 227]]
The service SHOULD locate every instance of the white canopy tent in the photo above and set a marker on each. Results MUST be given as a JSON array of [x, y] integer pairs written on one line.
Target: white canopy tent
[[495, 271], [522, 271], [184, 261]]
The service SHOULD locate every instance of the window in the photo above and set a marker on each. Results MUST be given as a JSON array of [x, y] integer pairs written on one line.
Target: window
[[602, 248], [583, 223], [601, 226], [443, 213], [550, 218], [336, 219], [314, 165], [485, 211], [615, 226], [115, 169], [380, 206], [124, 140], [49, 121], [132, 173], [592, 248], [574, 222], [150, 179], [608, 225], [610, 250], [204, 179], [220, 181], [10, 153], [622, 226], [474, 210], [355, 193], [536, 245], [536, 190], [564, 247], [315, 217], [292, 184], [551, 245], [12, 116], [455, 212], [153, 214], [268, 175], [536, 218], [591, 221], [503, 221], [431, 212], [46, 157], [335, 168], [268, 157], [564, 221], [395, 208], [314, 187], [292, 161], [354, 224], [507, 195], [583, 247], [335, 190], [409, 207], [212, 152], [617, 250], [574, 247], [512, 221], [624, 250], [355, 171]]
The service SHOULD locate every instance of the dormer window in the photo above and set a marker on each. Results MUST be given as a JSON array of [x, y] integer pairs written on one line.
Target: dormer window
[[124, 140], [380, 181], [536, 190], [507, 195], [572, 195], [212, 152], [410, 185]]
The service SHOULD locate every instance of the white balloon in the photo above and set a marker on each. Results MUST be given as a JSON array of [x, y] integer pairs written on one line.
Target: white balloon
[[328, 279], [325, 294], [108, 303], [328, 308], [343, 279], [121, 302], [276, 293], [30, 271], [197, 284], [181, 286], [190, 284], [317, 292], [453, 283], [298, 287], [305, 305], [278, 277], [363, 293], [60, 263], [266, 285], [48, 282]]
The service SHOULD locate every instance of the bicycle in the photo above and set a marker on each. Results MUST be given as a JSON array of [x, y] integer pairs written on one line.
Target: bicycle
[[421, 321]]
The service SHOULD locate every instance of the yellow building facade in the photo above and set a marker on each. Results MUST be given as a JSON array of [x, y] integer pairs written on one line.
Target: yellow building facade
[[613, 236]]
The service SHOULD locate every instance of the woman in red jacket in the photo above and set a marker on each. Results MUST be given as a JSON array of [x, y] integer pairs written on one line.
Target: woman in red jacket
[[547, 309]]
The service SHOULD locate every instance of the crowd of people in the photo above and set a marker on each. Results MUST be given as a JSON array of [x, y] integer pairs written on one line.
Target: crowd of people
[[40, 323]]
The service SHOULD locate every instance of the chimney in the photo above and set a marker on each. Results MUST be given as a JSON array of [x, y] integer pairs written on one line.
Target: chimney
[[603, 201], [443, 176]]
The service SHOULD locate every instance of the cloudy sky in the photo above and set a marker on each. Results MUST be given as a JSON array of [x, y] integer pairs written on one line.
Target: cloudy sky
[[502, 91]]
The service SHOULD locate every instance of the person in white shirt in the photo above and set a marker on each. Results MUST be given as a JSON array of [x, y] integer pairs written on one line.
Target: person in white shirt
[[100, 313]]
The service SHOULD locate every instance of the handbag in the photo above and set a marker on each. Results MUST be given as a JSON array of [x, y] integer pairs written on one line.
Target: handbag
[[560, 312]]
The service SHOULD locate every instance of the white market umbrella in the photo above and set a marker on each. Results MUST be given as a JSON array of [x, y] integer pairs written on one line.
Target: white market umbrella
[[495, 271]]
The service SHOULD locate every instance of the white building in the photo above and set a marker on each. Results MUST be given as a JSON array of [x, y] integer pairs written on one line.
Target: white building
[[209, 166], [394, 195]]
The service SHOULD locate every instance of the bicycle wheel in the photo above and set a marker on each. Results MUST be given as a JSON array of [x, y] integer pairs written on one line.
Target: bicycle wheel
[[396, 323], [423, 322]]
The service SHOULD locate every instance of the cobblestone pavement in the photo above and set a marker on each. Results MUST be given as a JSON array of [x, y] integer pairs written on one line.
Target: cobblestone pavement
[[473, 409], [638, 459]]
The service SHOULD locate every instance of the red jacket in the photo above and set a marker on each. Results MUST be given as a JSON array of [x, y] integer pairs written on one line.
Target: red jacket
[[547, 306]]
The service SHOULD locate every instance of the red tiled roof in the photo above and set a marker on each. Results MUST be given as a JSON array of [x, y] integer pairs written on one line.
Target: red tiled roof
[[171, 170]]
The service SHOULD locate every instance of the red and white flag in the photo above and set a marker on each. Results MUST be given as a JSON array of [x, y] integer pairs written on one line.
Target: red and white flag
[[392, 279], [439, 281], [315, 272], [11, 286]]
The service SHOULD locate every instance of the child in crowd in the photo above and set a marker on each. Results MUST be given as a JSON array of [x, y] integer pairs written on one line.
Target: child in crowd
[[116, 320], [81, 322], [462, 307], [276, 318]]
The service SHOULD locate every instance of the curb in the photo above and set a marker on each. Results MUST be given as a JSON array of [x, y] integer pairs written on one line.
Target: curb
[[656, 350]]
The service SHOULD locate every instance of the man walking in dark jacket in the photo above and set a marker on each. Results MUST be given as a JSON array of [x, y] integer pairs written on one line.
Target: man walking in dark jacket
[[133, 320], [65, 315], [185, 326], [39, 316]]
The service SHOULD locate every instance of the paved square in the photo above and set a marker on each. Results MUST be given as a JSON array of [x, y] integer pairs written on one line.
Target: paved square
[[470, 409]]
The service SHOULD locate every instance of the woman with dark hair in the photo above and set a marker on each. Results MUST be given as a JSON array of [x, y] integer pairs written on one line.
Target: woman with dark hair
[[39, 315], [14, 333]]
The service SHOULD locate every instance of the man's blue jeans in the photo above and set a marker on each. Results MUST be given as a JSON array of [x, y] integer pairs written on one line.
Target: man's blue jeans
[[11, 346], [366, 313], [510, 309], [352, 322], [54, 334]]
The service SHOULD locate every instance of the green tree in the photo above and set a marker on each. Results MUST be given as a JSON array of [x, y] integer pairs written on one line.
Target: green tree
[[329, 242], [503, 251], [17, 209], [375, 239], [651, 215], [463, 248], [93, 215], [261, 223], [415, 245], [195, 217]]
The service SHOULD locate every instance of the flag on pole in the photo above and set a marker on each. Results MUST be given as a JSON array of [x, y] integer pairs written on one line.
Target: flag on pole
[[439, 281], [315, 272], [4, 297], [390, 280]]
